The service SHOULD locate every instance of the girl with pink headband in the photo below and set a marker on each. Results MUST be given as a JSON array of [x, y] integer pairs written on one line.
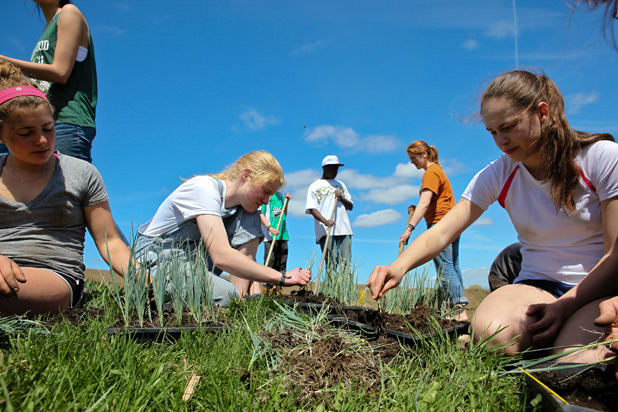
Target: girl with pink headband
[[46, 201]]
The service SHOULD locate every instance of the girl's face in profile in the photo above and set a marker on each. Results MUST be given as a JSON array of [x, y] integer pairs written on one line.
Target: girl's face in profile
[[419, 160], [29, 134], [515, 131], [258, 195]]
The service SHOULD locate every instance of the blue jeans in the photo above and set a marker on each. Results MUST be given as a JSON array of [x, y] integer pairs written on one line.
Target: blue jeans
[[75, 141], [339, 250], [447, 263]]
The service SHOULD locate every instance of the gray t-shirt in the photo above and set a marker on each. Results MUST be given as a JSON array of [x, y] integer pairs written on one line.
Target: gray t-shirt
[[49, 231]]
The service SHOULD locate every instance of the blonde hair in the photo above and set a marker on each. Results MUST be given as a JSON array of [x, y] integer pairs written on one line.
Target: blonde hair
[[265, 169], [11, 76], [420, 147]]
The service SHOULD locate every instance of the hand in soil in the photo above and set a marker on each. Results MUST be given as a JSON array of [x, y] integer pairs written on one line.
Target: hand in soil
[[381, 279], [609, 319], [297, 276]]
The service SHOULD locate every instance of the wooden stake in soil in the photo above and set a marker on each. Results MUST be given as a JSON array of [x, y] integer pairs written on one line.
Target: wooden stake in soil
[[330, 229], [272, 245], [410, 213]]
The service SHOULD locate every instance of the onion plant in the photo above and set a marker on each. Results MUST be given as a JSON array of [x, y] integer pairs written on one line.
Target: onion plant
[[199, 288], [341, 284], [416, 288], [178, 280]]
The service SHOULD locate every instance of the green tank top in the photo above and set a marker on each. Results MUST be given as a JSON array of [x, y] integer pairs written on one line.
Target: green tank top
[[74, 102]]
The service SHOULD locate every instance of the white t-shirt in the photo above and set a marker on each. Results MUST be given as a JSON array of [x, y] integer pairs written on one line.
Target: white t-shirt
[[556, 246], [197, 196], [321, 196]]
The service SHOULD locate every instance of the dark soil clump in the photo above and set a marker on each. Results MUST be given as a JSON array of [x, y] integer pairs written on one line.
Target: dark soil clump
[[75, 316], [307, 296], [420, 320], [594, 388]]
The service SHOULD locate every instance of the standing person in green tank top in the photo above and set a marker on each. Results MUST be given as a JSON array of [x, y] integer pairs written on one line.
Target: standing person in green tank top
[[63, 65]]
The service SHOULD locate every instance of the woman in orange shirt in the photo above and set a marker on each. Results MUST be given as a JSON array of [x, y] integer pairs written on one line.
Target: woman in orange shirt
[[435, 201]]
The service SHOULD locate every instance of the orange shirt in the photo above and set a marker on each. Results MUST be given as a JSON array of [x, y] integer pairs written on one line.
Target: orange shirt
[[443, 200]]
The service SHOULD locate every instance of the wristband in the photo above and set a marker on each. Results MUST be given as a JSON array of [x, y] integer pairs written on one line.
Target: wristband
[[282, 281], [410, 226]]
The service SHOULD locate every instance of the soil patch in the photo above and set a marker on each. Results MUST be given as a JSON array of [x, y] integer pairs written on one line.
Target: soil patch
[[594, 388], [420, 320], [307, 296], [326, 360], [76, 316]]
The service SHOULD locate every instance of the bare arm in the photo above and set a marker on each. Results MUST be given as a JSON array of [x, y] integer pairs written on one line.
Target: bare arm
[[264, 220], [72, 27], [318, 216], [266, 223], [425, 247], [234, 262], [423, 204], [111, 247]]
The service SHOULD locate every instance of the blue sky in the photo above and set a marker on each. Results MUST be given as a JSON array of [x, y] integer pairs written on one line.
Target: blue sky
[[187, 90]]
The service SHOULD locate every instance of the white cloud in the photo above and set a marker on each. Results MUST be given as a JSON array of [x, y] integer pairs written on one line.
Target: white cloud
[[452, 167], [391, 195], [254, 120], [470, 44], [113, 30], [355, 180], [484, 221], [379, 218], [574, 102], [380, 144], [500, 29], [298, 200], [297, 185], [348, 138], [122, 6], [301, 178], [341, 136], [309, 48], [407, 171]]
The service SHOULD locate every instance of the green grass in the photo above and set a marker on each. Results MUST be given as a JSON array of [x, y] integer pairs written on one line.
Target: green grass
[[82, 368]]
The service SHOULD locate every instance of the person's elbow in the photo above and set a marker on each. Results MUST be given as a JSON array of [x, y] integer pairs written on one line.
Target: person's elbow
[[62, 78], [223, 259]]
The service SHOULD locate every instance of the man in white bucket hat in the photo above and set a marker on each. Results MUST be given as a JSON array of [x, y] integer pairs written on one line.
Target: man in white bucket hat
[[328, 201]]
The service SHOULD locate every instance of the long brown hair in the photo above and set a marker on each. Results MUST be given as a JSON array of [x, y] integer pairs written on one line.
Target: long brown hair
[[419, 147], [558, 143]]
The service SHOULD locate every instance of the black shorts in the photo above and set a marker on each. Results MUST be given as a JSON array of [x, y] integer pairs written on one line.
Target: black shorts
[[555, 288], [76, 286]]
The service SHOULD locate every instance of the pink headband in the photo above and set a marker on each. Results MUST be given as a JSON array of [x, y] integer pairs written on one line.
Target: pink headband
[[13, 92]]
